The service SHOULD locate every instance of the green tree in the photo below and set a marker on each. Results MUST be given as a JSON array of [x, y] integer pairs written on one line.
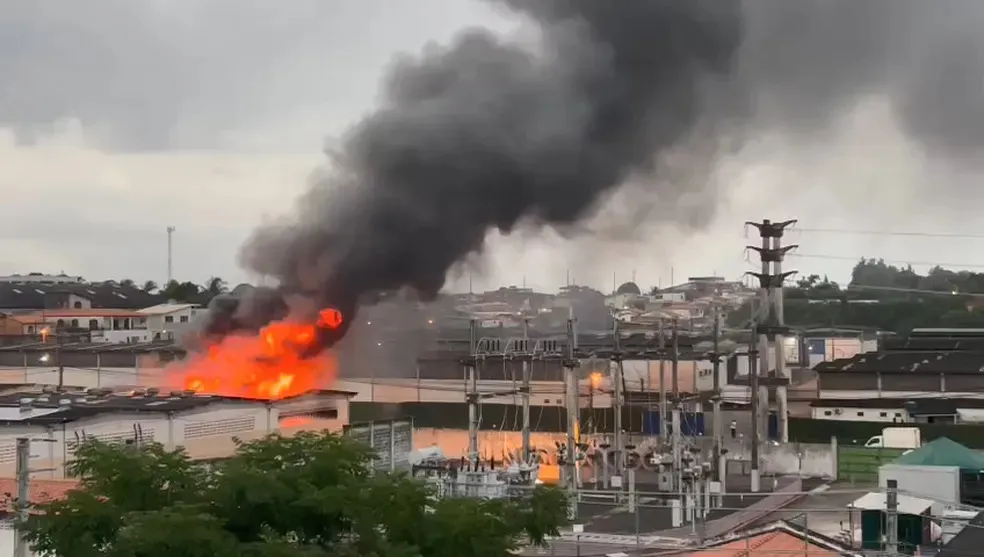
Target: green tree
[[311, 495], [128, 283], [149, 286], [186, 292], [215, 286]]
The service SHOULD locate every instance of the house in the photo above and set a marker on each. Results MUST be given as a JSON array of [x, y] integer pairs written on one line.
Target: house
[[34, 297], [102, 325], [780, 538], [10, 325], [164, 320], [206, 426]]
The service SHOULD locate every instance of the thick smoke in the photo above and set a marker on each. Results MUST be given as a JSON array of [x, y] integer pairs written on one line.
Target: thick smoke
[[490, 134]]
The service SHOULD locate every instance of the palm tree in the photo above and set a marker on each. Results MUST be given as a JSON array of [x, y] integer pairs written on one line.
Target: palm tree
[[127, 283], [149, 287], [185, 292], [215, 286]]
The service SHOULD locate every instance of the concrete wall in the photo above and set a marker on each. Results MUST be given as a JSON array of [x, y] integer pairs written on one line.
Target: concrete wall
[[808, 460]]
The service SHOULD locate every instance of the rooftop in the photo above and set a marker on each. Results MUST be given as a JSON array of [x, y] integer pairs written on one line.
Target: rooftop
[[107, 295], [57, 408], [968, 541], [918, 361], [164, 309], [39, 491], [778, 539]]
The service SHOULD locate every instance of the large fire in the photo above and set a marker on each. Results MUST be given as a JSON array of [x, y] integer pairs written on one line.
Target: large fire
[[274, 364]]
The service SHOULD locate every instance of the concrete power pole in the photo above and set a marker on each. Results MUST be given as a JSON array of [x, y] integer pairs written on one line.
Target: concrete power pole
[[23, 473], [675, 433], [892, 517], [662, 383], [170, 255], [716, 397], [769, 323], [617, 401], [572, 400], [525, 392], [471, 393]]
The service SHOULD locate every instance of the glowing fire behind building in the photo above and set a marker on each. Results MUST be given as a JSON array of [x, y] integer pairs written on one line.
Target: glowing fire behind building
[[275, 363]]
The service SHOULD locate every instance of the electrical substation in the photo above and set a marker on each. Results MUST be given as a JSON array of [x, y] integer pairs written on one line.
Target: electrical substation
[[674, 467]]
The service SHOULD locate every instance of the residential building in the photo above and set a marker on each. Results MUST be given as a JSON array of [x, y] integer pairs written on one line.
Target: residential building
[[34, 297], [900, 410], [41, 278], [779, 538], [102, 325], [170, 320]]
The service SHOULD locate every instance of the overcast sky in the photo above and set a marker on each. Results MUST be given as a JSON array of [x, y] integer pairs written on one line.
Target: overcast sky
[[119, 118]]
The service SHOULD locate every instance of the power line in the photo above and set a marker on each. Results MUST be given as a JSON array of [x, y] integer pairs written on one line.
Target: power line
[[908, 233], [889, 261]]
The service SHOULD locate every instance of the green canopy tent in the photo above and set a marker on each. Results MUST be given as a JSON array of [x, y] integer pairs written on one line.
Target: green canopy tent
[[943, 452], [946, 452]]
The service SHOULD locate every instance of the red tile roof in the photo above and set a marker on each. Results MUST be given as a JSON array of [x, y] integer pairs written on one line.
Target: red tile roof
[[769, 544], [40, 491]]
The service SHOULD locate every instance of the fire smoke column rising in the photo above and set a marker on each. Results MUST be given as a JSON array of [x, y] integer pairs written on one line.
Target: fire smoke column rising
[[485, 133]]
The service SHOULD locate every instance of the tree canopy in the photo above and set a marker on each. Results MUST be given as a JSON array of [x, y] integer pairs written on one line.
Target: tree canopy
[[310, 495], [883, 296]]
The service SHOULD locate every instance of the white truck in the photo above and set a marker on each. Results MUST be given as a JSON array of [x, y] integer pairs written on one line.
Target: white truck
[[897, 438]]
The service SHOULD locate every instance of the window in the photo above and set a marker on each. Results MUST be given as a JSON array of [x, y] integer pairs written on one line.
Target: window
[[93, 324], [860, 413], [183, 319], [827, 413], [898, 414], [883, 415], [75, 323], [77, 305], [169, 319]]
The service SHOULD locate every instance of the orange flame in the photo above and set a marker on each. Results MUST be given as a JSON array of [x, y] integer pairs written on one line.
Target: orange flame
[[271, 365]]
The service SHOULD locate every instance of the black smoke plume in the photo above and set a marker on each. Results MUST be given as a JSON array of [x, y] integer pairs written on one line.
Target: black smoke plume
[[488, 133]]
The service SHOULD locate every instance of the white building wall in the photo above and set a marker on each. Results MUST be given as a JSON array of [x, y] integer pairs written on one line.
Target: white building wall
[[205, 433], [849, 414], [971, 415], [940, 484]]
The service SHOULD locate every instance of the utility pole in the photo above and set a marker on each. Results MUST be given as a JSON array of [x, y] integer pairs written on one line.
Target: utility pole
[[525, 391], [675, 433], [716, 397], [58, 360], [23, 473], [662, 383], [572, 400], [170, 255], [753, 383], [892, 517], [675, 365], [471, 394], [769, 322], [617, 373]]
